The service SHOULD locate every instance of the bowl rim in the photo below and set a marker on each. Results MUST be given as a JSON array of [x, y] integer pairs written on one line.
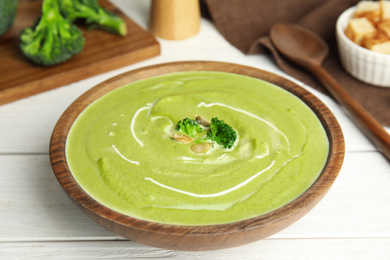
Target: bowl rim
[[271, 222], [342, 22]]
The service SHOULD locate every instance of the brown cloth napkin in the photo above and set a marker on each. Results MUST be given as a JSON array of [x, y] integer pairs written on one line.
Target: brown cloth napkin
[[246, 24]]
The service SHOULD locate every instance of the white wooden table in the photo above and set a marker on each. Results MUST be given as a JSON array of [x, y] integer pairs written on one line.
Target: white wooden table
[[38, 221]]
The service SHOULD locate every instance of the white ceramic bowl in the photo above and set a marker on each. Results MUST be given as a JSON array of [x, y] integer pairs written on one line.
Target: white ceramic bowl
[[363, 64]]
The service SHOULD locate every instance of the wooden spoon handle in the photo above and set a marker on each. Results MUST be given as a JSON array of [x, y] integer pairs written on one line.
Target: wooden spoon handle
[[368, 124]]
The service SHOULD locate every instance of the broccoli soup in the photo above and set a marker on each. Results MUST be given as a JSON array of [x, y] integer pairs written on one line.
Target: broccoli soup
[[131, 150]]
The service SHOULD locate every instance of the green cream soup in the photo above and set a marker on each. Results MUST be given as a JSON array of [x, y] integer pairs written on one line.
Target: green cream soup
[[120, 151]]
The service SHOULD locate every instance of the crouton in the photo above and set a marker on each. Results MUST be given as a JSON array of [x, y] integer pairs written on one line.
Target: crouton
[[370, 26], [384, 27], [370, 10], [385, 10], [360, 28]]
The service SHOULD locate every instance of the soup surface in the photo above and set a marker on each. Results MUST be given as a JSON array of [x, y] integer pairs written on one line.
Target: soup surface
[[120, 151]]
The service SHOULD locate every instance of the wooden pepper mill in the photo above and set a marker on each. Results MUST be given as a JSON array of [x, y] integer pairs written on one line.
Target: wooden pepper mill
[[175, 19]]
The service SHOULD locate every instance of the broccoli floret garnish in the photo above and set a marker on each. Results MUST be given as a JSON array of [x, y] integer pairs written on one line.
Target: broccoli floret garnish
[[189, 126], [52, 39], [221, 133], [93, 14]]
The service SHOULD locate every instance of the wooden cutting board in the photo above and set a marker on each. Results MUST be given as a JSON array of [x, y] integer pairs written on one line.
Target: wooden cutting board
[[19, 78]]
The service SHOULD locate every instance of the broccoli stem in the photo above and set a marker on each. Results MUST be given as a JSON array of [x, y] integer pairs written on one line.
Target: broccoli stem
[[94, 15], [205, 140], [105, 19]]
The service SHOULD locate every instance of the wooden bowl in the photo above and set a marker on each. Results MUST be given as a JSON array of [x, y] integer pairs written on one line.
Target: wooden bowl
[[194, 238]]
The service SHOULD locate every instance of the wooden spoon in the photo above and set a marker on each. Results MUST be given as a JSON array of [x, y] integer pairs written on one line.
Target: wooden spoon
[[308, 50]]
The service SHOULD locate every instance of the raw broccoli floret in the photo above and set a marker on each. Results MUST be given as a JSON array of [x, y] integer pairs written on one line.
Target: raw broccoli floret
[[221, 133], [7, 14], [52, 39], [92, 14], [189, 126]]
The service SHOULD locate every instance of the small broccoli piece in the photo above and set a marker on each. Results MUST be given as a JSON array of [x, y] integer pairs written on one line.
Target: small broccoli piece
[[7, 14], [52, 39], [189, 126], [93, 14], [221, 133]]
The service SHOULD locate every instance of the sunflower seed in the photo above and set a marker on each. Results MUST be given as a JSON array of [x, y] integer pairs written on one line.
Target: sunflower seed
[[181, 138], [202, 121], [201, 147]]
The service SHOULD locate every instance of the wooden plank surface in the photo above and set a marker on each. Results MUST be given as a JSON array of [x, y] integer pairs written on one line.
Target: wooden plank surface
[[102, 52], [319, 249]]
